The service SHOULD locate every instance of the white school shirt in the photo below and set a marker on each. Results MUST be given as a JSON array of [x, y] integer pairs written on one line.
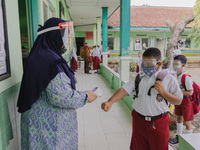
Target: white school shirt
[[149, 105], [138, 60], [188, 82]]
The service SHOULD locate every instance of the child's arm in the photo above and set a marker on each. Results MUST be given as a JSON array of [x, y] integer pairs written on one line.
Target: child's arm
[[174, 99], [188, 93], [121, 93], [189, 87]]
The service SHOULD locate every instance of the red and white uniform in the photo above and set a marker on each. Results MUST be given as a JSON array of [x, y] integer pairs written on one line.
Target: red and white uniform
[[97, 58], [73, 59], [185, 109], [151, 134], [91, 55]]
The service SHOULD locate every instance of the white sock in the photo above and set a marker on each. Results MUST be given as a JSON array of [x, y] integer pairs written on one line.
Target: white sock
[[189, 131], [179, 128]]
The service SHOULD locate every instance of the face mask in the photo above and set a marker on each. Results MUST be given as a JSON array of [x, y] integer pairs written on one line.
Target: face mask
[[150, 70], [63, 50], [177, 66]]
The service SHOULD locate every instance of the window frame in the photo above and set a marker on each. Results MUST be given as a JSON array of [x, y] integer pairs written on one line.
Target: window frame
[[7, 74]]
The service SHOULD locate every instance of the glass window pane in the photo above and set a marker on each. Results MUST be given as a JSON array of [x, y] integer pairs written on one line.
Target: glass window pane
[[111, 43], [187, 43], [144, 43], [45, 11]]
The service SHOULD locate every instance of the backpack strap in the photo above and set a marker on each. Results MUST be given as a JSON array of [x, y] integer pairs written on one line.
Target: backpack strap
[[160, 77], [137, 81], [183, 80]]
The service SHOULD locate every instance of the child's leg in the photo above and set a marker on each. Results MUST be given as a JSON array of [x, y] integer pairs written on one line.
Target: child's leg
[[188, 125], [179, 124], [139, 140]]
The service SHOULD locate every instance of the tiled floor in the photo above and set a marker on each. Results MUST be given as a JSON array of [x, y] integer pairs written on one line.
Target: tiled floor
[[99, 130]]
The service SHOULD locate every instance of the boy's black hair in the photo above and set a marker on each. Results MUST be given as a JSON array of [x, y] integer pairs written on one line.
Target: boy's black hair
[[153, 52], [182, 58]]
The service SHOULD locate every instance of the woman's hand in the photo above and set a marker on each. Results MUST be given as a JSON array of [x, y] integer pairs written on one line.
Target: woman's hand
[[91, 96]]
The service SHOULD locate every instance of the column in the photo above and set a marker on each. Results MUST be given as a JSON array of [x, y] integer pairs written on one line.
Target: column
[[124, 40], [94, 34], [105, 35], [99, 31]]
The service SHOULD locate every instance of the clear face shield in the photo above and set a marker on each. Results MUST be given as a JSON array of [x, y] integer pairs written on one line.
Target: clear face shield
[[148, 66], [64, 30], [177, 66]]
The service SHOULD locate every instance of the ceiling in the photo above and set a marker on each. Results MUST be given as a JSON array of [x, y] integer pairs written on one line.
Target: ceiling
[[85, 12]]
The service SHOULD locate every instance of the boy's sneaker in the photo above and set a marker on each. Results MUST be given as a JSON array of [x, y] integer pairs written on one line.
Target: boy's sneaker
[[174, 141]]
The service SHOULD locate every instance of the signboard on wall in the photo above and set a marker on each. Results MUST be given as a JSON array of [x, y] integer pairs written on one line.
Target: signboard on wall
[[89, 35], [4, 50]]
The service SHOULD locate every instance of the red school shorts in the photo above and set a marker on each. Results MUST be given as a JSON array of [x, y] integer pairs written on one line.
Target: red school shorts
[[185, 109], [145, 137]]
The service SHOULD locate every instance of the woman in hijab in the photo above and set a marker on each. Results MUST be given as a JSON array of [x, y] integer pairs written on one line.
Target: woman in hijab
[[48, 98]]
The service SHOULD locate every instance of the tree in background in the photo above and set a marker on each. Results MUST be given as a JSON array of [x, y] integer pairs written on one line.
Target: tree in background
[[176, 29], [195, 31]]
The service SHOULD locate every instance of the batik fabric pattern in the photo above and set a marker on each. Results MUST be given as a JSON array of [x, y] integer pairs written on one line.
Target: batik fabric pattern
[[51, 123]]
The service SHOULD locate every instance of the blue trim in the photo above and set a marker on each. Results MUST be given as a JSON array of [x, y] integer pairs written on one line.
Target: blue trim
[[105, 28], [125, 9], [34, 19]]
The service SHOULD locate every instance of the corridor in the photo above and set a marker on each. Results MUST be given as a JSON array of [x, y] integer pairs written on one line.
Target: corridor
[[99, 130]]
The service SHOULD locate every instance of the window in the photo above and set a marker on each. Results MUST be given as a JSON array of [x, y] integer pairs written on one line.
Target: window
[[62, 10], [111, 43], [141, 43], [51, 13], [144, 43], [4, 49], [48, 11], [184, 44], [45, 11]]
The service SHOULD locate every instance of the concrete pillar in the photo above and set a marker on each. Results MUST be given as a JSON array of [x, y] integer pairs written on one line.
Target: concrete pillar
[[105, 35], [94, 34], [99, 31], [124, 40]]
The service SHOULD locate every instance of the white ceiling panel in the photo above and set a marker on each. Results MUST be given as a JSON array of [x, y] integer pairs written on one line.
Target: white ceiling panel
[[85, 12]]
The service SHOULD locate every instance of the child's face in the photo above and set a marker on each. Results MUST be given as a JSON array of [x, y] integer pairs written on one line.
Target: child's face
[[150, 65], [178, 66]]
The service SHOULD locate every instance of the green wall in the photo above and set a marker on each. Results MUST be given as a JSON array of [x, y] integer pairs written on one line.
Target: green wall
[[83, 35], [9, 88]]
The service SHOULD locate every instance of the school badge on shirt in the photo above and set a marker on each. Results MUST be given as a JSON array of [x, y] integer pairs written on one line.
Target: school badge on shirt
[[159, 97]]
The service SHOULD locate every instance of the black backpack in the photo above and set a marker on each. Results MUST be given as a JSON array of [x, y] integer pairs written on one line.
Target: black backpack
[[161, 75]]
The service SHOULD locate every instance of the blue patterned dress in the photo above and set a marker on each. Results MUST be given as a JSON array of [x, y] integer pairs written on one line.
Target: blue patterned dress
[[51, 123]]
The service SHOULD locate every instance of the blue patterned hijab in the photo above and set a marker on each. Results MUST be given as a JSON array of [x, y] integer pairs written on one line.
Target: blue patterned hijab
[[43, 64]]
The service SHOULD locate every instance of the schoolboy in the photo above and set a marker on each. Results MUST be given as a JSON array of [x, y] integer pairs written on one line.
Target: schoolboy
[[150, 125], [184, 112]]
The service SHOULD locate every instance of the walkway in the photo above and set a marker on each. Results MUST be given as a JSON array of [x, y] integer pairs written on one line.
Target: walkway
[[99, 130]]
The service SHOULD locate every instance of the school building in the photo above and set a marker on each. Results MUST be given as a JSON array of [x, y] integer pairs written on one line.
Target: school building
[[95, 22]]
